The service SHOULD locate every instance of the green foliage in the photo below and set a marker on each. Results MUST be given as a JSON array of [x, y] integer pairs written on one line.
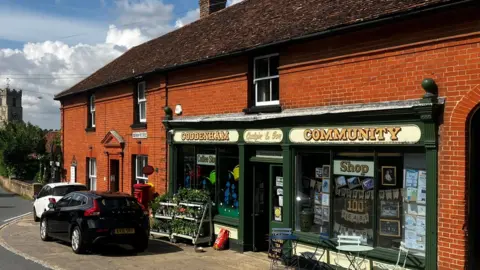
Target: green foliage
[[192, 195], [21, 144]]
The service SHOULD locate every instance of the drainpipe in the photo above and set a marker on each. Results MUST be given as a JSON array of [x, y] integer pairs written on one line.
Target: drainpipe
[[166, 136]]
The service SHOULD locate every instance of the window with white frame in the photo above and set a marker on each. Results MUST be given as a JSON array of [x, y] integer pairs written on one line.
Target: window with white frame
[[92, 173], [265, 80], [92, 110], [140, 163], [142, 102]]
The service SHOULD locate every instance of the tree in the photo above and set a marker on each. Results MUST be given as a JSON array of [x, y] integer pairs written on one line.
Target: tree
[[21, 144]]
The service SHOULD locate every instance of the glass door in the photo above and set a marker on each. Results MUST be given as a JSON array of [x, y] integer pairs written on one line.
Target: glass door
[[260, 213], [276, 195]]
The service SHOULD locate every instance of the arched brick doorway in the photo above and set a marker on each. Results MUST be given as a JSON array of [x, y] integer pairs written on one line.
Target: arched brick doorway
[[474, 189]]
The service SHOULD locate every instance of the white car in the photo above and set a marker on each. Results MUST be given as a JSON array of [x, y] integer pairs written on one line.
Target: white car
[[52, 193]]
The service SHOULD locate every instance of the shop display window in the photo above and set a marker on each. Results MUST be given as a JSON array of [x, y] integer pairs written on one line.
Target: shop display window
[[312, 195], [215, 169], [379, 196]]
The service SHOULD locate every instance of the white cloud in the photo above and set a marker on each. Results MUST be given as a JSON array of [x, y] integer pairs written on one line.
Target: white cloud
[[43, 68]]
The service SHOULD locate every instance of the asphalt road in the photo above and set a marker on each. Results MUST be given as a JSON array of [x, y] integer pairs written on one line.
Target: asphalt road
[[12, 206]]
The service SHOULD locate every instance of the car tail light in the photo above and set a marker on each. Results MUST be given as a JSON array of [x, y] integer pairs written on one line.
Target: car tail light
[[94, 211], [52, 200]]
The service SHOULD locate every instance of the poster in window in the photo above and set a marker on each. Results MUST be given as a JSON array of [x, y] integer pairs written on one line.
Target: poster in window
[[411, 178], [422, 210], [422, 178], [325, 199], [278, 213], [318, 172], [326, 213], [318, 198], [367, 184], [410, 222], [421, 226], [326, 186], [326, 171], [389, 209], [412, 194], [422, 195], [353, 182], [390, 227], [389, 176], [279, 181], [340, 181]]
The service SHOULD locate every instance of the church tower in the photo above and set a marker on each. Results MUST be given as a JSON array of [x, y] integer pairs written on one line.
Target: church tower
[[11, 105]]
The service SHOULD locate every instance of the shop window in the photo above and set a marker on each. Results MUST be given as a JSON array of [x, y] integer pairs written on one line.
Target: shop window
[[214, 169], [381, 197], [353, 191], [229, 174], [140, 163], [266, 80], [92, 173], [312, 185]]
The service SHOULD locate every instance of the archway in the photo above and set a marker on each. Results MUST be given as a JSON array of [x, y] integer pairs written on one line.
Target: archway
[[474, 189]]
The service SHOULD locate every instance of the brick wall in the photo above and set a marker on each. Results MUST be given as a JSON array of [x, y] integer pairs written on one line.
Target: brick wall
[[378, 64]]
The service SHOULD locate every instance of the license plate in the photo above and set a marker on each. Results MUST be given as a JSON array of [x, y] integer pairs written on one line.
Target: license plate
[[125, 231]]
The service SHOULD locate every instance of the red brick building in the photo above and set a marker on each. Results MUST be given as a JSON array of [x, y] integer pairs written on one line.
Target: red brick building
[[283, 88]]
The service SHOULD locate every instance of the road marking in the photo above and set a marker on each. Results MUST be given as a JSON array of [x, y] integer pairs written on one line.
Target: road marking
[[7, 220]]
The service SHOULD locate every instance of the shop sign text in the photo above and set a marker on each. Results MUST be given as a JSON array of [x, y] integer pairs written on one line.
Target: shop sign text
[[408, 134], [353, 168], [203, 159], [217, 136], [139, 135], [263, 136]]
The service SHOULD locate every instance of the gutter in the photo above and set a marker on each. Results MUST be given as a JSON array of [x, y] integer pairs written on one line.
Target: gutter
[[335, 30]]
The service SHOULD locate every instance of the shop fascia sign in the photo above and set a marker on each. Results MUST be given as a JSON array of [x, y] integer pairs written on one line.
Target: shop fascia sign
[[205, 159], [206, 136], [263, 136], [401, 134], [353, 168]]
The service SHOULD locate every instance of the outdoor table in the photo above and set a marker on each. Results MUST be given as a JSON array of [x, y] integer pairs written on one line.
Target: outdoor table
[[353, 251]]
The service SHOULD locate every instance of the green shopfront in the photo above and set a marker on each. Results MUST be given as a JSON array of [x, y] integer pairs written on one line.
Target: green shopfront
[[370, 172]]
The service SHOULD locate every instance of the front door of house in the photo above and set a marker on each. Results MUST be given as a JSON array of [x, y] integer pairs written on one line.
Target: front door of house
[[114, 175], [473, 223]]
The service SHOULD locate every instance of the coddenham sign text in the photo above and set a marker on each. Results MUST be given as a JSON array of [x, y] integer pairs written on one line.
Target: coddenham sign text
[[214, 136], [408, 134]]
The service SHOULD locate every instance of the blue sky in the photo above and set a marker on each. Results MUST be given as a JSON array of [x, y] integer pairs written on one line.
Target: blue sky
[[91, 18]]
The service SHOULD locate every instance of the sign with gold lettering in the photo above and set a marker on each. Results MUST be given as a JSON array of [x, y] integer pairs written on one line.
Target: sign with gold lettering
[[353, 168], [206, 136], [407, 134], [263, 136]]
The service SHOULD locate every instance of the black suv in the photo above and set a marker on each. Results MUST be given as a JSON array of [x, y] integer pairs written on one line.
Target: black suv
[[86, 218]]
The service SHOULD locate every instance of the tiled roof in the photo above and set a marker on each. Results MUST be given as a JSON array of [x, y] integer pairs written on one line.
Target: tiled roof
[[244, 26]]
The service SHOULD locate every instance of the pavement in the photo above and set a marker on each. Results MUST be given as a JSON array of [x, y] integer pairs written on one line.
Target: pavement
[[12, 207], [23, 238]]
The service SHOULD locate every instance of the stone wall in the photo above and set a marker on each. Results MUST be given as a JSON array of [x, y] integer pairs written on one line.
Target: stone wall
[[20, 187]]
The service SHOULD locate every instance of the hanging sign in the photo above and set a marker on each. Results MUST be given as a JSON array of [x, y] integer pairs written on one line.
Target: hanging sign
[[203, 159], [148, 170], [263, 136], [407, 134], [354, 168], [139, 135], [213, 136]]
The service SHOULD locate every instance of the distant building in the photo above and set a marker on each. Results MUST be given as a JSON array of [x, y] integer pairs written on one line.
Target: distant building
[[11, 105]]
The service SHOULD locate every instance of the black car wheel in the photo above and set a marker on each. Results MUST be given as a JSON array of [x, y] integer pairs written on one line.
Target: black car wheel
[[77, 242], [35, 218], [43, 230]]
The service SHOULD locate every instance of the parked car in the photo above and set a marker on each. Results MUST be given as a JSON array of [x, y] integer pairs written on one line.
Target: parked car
[[52, 193], [87, 218]]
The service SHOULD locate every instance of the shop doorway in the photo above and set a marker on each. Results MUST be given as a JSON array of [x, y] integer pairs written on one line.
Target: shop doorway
[[474, 190], [260, 217], [114, 175]]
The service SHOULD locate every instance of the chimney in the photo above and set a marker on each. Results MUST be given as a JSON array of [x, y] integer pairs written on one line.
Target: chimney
[[208, 7]]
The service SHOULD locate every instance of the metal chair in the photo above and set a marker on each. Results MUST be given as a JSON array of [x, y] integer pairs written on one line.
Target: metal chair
[[401, 249], [282, 253], [350, 240], [315, 258]]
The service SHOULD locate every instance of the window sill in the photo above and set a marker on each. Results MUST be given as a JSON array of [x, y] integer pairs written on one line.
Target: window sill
[[226, 220], [263, 109], [139, 126], [90, 129]]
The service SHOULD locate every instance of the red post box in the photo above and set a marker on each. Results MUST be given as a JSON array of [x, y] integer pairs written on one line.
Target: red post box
[[142, 193]]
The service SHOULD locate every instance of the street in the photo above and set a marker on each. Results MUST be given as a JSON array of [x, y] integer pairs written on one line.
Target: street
[[11, 207]]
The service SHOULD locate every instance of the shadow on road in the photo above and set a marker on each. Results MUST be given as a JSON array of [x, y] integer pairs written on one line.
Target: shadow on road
[[154, 248], [7, 195]]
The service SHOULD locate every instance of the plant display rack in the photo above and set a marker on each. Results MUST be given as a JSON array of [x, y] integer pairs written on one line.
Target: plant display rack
[[185, 220]]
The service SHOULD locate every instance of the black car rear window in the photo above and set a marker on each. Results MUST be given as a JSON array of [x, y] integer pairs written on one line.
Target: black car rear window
[[64, 190], [118, 203]]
